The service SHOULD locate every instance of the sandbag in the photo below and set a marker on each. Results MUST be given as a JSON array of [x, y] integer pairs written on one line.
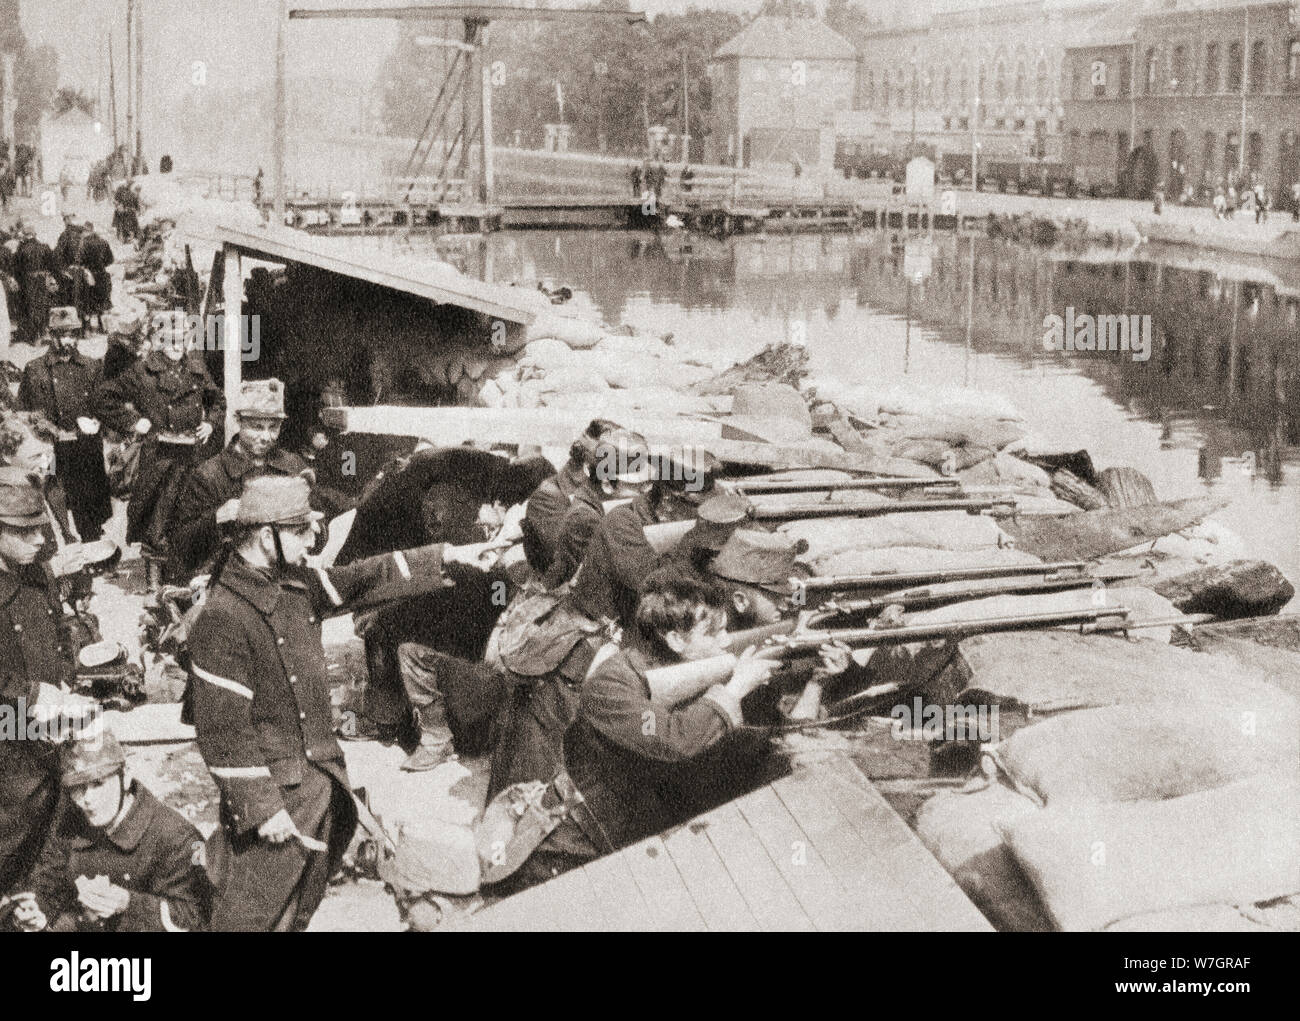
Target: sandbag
[[960, 830], [917, 558], [1153, 751], [576, 333], [949, 530], [570, 379], [1094, 864], [547, 353]]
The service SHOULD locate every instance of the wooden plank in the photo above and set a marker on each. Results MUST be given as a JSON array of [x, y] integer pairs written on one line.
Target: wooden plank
[[719, 902], [850, 857], [799, 862], [768, 896], [936, 895], [556, 427], [670, 907], [619, 895]]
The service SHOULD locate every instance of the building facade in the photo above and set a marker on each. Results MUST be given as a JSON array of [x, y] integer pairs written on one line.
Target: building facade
[[986, 78], [777, 87], [1189, 93]]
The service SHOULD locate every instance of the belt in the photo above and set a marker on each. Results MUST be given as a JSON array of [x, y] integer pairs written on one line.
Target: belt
[[179, 439], [67, 435]]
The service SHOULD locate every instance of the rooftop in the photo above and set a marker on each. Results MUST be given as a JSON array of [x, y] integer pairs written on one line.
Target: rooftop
[[787, 39]]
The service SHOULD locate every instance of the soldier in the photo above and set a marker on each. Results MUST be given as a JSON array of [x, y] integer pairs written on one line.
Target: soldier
[[262, 703], [67, 263], [59, 385], [118, 860], [550, 501], [210, 496], [34, 269], [96, 257], [36, 660], [168, 400]]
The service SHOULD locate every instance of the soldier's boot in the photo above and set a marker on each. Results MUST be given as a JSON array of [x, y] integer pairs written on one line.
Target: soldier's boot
[[436, 745]]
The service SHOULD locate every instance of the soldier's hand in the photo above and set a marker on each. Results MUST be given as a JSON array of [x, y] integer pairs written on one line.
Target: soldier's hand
[[835, 659], [88, 425], [27, 916], [227, 511], [203, 431], [69, 560], [475, 554], [279, 828], [142, 426], [750, 672]]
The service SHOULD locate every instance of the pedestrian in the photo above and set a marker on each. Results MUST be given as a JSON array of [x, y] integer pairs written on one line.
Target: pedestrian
[[1230, 206], [1261, 207], [118, 859], [168, 401], [636, 177], [1295, 201], [1220, 203], [35, 268], [67, 264], [59, 384], [257, 188], [38, 661], [261, 698], [1158, 198], [96, 256]]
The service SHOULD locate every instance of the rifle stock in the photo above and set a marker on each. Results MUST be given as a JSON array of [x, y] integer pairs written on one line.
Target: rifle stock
[[827, 509], [907, 579], [808, 486]]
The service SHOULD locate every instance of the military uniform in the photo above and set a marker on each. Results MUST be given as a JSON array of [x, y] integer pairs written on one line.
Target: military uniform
[[34, 268], [545, 513], [263, 720], [579, 523], [153, 852], [175, 396], [33, 651], [618, 561], [61, 389]]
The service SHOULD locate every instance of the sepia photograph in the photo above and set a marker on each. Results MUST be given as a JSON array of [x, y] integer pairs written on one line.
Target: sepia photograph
[[650, 465]]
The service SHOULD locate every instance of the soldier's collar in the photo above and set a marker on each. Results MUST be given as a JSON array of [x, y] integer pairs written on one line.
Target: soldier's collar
[[260, 589], [131, 830], [238, 464]]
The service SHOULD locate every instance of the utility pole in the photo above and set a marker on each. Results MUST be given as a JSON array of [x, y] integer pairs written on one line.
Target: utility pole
[[10, 105], [112, 89], [139, 81], [281, 119], [911, 143], [975, 111], [686, 114], [1245, 68], [130, 85]]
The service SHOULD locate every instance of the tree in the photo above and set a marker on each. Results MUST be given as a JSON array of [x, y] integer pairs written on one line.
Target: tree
[[67, 98], [787, 9]]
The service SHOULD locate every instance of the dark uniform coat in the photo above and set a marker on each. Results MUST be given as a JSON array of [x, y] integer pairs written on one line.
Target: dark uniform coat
[[97, 256], [67, 264], [544, 515], [576, 529], [175, 396], [154, 853], [194, 533], [34, 268], [33, 651], [264, 726], [61, 391], [618, 561]]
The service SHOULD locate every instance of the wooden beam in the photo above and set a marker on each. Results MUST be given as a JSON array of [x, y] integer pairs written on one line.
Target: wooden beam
[[232, 365], [434, 12], [545, 427]]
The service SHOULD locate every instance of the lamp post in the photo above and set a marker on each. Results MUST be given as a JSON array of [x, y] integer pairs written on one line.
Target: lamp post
[[911, 143]]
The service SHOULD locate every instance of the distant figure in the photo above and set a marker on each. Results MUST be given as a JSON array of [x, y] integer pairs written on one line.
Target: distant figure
[[1261, 203], [1230, 206], [1158, 198], [1295, 201], [6, 183], [165, 165], [1220, 203], [257, 188], [687, 178], [636, 177]]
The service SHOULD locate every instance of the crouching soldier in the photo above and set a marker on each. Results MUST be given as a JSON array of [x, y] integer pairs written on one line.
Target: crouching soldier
[[638, 759], [261, 702], [119, 860]]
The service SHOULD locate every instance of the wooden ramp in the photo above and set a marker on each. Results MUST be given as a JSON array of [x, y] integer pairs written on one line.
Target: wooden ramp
[[820, 850]]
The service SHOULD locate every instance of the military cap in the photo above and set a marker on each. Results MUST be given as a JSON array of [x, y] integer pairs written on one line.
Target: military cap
[[763, 559], [64, 317], [89, 759], [276, 500], [689, 472], [719, 515], [623, 456], [22, 503], [261, 398]]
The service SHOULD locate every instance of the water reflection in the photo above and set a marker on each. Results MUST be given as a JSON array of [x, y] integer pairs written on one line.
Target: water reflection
[[1216, 407]]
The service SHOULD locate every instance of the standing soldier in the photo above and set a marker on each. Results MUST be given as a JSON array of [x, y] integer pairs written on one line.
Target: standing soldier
[[36, 659], [34, 267], [262, 703], [67, 262], [96, 257], [169, 400], [59, 384], [210, 496]]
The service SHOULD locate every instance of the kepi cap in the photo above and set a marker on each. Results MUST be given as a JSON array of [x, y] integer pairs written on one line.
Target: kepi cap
[[261, 398], [22, 503], [763, 559], [276, 500], [90, 759]]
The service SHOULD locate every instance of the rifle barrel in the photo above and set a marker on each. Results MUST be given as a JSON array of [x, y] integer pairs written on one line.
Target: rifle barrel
[[1115, 618], [796, 512], [906, 579], [810, 486]]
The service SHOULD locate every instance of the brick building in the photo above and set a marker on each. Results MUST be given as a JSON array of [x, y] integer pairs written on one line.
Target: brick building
[[777, 87], [988, 75], [1188, 92]]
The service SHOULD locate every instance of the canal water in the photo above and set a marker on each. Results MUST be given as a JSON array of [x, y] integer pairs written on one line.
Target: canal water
[[1215, 409]]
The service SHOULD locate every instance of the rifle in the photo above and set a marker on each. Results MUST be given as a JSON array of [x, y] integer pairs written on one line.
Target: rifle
[[765, 486], [907, 579], [680, 682], [957, 592], [796, 512]]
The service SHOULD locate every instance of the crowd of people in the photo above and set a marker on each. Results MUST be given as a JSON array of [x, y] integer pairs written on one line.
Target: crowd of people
[[555, 683]]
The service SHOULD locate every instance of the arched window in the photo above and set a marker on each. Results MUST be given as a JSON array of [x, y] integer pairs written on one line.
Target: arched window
[[1151, 71], [902, 86], [1040, 86], [1000, 81], [1212, 67], [1020, 81], [884, 90], [1258, 65], [1293, 64], [963, 96], [1234, 67], [1178, 71], [869, 91], [1125, 75], [947, 83], [981, 94]]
